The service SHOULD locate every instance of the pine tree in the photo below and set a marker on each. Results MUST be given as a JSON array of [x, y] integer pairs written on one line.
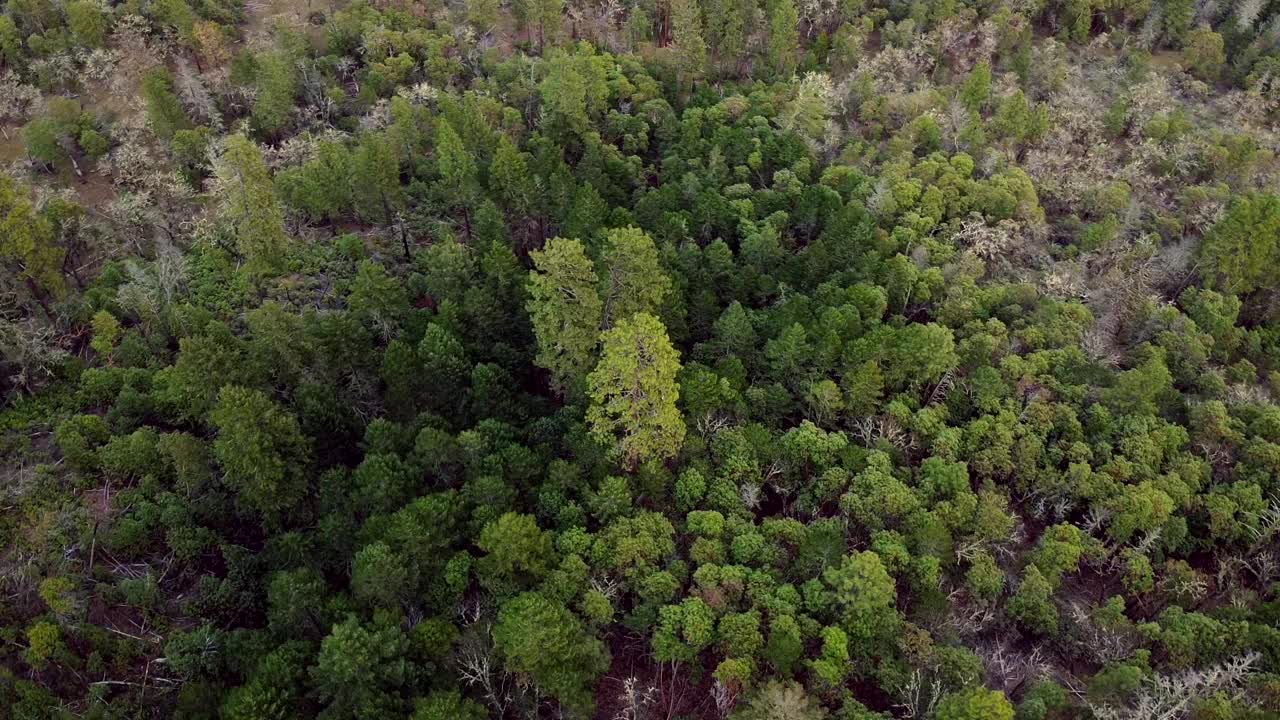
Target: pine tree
[[87, 22], [262, 451], [322, 188], [277, 81], [482, 14], [250, 204], [376, 183], [509, 178], [457, 168], [974, 704], [546, 15], [163, 109], [1241, 251], [690, 47], [565, 310], [784, 37], [634, 392], [540, 638], [635, 282]]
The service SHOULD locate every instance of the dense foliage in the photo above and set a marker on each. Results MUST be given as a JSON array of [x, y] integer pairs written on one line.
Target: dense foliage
[[724, 359]]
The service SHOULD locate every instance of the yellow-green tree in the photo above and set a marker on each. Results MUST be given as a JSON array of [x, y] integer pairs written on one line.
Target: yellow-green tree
[[1204, 54], [250, 204], [1240, 252], [975, 704], [565, 310], [634, 392], [28, 243], [634, 281], [262, 451]]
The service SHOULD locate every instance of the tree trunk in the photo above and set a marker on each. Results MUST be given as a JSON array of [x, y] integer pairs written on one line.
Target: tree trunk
[[39, 296]]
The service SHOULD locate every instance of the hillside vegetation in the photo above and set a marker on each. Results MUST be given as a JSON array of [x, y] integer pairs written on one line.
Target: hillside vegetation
[[640, 359]]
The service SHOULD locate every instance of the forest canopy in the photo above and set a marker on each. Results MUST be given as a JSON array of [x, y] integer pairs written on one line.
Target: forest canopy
[[640, 360]]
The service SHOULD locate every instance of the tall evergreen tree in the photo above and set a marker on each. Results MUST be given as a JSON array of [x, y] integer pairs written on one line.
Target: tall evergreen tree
[[565, 310], [376, 183], [249, 202], [163, 109], [784, 37], [458, 180], [634, 392], [634, 281], [687, 40]]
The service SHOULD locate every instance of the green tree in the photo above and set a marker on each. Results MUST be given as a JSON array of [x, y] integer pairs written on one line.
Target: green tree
[[865, 595], [984, 579], [106, 333], [262, 452], [249, 202], [634, 391], [808, 112], [44, 643], [779, 700], [1139, 391], [519, 552], [546, 15], [27, 242], [458, 184], [447, 705], [687, 42], [635, 282], [163, 109], [87, 22], [832, 665], [1176, 17], [784, 37], [1240, 253], [1205, 54], [974, 704], [11, 51], [360, 671], [379, 578], [544, 641], [1076, 16], [375, 183], [176, 14], [509, 178], [683, 630], [277, 80], [976, 90], [1032, 605], [565, 310], [482, 14], [323, 187]]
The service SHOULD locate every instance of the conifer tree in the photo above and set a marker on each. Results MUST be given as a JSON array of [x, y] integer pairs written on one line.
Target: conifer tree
[[690, 47], [376, 183], [634, 281], [634, 392], [784, 37], [565, 310], [163, 109], [250, 204], [458, 183]]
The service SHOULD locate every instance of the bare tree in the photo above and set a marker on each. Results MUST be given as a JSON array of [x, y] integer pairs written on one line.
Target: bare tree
[[1169, 697]]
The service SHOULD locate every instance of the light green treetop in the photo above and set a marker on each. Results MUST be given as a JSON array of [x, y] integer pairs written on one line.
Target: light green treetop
[[633, 391], [565, 310]]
